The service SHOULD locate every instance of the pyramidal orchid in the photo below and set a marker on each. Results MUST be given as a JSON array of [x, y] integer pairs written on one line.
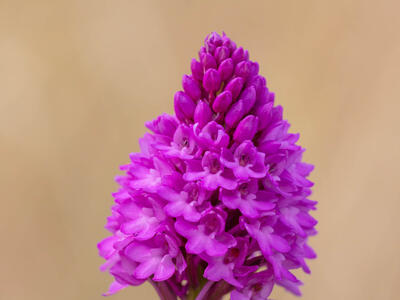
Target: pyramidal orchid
[[217, 201]]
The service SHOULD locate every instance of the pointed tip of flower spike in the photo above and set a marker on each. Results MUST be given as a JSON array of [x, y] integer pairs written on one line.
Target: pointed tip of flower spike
[[212, 41]]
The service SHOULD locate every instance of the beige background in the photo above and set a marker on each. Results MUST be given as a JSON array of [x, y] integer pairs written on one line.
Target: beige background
[[79, 78]]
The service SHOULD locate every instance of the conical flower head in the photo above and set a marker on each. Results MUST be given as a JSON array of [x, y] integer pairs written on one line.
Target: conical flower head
[[218, 193]]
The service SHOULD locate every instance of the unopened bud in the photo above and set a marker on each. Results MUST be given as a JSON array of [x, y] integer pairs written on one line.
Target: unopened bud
[[235, 86], [221, 53], [225, 69], [202, 114], [235, 113], [197, 69], [184, 106], [222, 102], [246, 129], [208, 61], [248, 97], [243, 69], [211, 80], [263, 113], [238, 55], [191, 87]]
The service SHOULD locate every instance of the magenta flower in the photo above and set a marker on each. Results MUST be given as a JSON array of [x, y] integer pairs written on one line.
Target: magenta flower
[[207, 235], [210, 172], [246, 162], [229, 267], [189, 203], [212, 136], [268, 241], [217, 200], [248, 199], [258, 286], [182, 146], [154, 257]]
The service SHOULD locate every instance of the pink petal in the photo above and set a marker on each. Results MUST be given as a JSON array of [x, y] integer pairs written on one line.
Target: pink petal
[[185, 228], [165, 269], [175, 209], [192, 176], [147, 268], [248, 209], [231, 199], [169, 194], [197, 243], [279, 243], [106, 247], [226, 183], [114, 288], [139, 253], [214, 248], [261, 205]]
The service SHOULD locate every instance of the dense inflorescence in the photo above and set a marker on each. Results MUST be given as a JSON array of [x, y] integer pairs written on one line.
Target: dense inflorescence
[[217, 201]]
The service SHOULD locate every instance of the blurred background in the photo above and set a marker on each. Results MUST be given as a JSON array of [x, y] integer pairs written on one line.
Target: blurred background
[[78, 79]]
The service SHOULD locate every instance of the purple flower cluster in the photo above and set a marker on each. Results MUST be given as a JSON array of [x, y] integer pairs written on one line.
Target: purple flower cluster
[[217, 201]]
